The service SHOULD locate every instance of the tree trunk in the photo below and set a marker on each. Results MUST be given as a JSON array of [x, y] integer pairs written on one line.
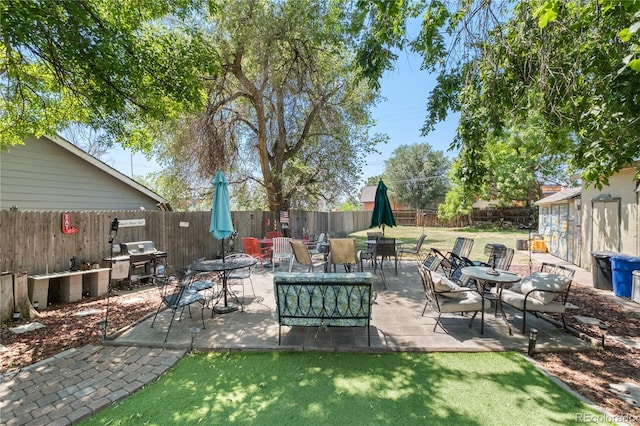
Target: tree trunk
[[6, 296], [15, 297]]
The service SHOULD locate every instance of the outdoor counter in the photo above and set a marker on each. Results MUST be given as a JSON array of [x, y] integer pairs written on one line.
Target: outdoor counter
[[71, 284]]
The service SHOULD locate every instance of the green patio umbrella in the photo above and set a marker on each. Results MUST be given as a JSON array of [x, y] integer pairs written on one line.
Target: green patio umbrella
[[382, 213], [221, 226]]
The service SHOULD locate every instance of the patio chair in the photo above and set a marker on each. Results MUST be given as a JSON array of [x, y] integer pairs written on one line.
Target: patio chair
[[386, 249], [273, 234], [175, 296], [313, 245], [499, 257], [503, 263], [461, 279], [447, 297], [280, 250], [239, 275], [367, 254], [411, 250], [452, 259], [374, 235], [303, 256], [342, 251], [431, 262], [197, 281], [252, 247], [545, 291]]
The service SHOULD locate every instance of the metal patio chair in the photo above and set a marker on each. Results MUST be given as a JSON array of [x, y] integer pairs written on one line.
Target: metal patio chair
[[304, 256], [174, 296], [454, 258], [447, 297]]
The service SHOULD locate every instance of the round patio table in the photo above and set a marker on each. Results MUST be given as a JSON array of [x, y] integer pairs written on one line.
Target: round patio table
[[486, 276], [223, 267]]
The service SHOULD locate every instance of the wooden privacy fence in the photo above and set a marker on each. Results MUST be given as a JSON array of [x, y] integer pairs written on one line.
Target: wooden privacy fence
[[33, 241], [514, 215], [428, 218]]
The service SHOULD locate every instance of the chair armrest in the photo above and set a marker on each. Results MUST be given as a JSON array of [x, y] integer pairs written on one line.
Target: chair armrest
[[461, 290], [556, 292], [438, 253], [467, 262]]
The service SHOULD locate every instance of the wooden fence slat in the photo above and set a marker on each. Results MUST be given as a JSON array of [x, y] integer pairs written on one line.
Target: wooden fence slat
[[34, 241]]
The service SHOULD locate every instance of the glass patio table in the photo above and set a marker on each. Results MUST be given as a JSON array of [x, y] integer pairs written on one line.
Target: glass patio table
[[487, 277], [223, 267]]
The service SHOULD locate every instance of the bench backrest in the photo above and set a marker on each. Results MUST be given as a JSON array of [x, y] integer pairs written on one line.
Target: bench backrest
[[343, 298]]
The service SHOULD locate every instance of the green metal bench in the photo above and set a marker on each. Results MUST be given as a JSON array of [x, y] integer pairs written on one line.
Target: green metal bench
[[317, 299]]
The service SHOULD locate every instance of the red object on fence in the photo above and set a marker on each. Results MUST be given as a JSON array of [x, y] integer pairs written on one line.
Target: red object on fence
[[66, 224]]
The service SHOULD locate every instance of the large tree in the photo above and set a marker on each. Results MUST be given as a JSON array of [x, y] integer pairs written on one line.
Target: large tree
[[514, 167], [500, 61], [111, 64], [285, 114], [416, 176]]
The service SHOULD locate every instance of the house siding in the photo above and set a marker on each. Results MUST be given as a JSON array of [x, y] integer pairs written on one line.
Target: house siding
[[605, 225], [42, 175]]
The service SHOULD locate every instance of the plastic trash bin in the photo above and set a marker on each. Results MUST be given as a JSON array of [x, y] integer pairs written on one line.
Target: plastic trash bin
[[601, 269], [635, 288], [622, 268]]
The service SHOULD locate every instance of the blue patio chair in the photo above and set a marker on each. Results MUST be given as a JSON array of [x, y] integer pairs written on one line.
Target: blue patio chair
[[174, 296]]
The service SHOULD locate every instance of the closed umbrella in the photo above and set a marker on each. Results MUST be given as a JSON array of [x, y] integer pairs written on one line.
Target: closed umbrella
[[382, 213], [221, 226]]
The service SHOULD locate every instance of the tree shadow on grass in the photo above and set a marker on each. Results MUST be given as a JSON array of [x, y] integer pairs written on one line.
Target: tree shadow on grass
[[350, 388]]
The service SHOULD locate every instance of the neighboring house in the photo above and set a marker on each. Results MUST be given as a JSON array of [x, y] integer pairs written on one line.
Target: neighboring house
[[51, 173], [368, 199], [559, 223], [548, 190]]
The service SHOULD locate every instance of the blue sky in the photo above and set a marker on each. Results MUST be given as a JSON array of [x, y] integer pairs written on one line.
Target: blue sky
[[400, 116]]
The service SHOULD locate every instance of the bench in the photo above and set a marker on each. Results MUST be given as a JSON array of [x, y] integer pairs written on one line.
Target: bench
[[71, 285], [317, 299]]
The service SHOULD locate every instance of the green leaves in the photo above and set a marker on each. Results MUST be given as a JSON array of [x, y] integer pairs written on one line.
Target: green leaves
[[416, 175], [546, 13], [112, 64], [627, 35]]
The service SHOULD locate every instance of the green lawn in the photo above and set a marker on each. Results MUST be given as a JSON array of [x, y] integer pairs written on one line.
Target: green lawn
[[312, 388], [443, 239]]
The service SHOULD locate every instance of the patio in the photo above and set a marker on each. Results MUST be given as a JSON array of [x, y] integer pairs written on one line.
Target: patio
[[396, 325]]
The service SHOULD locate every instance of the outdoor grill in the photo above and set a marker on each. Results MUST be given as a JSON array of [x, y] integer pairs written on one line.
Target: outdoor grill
[[143, 258]]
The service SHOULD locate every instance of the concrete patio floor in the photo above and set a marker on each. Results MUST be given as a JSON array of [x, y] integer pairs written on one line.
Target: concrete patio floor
[[396, 325]]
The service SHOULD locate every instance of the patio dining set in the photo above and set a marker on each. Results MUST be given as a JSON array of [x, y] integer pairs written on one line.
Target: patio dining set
[[452, 283]]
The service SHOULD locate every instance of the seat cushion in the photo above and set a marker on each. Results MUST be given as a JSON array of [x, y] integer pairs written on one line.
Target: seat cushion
[[516, 299], [447, 288], [543, 281], [470, 303], [201, 285]]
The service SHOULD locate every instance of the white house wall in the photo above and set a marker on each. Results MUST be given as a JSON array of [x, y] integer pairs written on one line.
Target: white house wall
[[605, 228], [42, 175]]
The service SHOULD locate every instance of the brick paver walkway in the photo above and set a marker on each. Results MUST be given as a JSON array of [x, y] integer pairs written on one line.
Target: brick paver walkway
[[75, 384]]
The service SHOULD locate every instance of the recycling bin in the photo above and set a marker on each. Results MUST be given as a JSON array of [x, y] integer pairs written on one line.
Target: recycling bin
[[622, 268], [635, 288], [601, 269]]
